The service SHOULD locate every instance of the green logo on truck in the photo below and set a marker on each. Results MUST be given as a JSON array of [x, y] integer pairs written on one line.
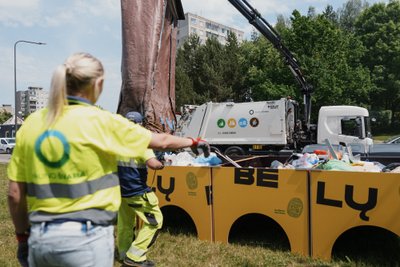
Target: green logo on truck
[[221, 123]]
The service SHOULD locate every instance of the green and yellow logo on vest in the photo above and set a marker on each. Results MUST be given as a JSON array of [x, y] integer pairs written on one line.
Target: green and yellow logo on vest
[[52, 149]]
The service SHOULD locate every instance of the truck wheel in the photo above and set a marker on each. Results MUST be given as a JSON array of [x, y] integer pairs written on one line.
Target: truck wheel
[[234, 151], [8, 150]]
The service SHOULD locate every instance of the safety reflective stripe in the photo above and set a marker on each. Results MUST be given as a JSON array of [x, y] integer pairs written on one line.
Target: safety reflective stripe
[[43, 191], [136, 252], [96, 216], [131, 164]]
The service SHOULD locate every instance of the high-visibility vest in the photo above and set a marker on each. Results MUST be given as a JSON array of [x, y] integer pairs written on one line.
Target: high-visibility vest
[[70, 169]]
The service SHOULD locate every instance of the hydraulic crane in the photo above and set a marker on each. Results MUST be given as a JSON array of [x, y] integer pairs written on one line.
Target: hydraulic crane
[[255, 19]]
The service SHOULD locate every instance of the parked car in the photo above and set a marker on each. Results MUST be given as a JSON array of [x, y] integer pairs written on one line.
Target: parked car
[[7, 145], [393, 140]]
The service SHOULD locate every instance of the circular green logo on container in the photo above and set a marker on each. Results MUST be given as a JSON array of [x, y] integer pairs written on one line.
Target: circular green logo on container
[[221, 123], [42, 157], [295, 207], [191, 180]]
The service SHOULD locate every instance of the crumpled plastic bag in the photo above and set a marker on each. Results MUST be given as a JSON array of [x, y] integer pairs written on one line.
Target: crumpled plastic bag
[[211, 160], [335, 165], [278, 165], [186, 159], [367, 166], [396, 170], [306, 161], [180, 159]]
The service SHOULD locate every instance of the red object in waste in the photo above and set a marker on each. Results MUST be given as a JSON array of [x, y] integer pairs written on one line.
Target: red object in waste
[[320, 152]]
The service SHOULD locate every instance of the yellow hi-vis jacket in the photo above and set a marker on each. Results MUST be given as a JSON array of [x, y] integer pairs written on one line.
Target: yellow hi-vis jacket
[[70, 169]]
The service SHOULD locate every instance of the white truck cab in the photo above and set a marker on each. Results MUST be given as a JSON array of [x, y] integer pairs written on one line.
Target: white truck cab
[[347, 124], [7, 145]]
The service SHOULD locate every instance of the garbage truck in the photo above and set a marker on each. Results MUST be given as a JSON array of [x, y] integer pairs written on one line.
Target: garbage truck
[[259, 127], [270, 126]]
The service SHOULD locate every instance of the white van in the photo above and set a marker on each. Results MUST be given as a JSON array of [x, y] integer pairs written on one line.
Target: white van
[[7, 145]]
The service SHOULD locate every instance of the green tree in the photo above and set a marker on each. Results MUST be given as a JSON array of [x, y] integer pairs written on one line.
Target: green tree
[[349, 13], [187, 67], [232, 68], [379, 29], [330, 60], [266, 75], [4, 116], [282, 23], [330, 14], [211, 83], [209, 72]]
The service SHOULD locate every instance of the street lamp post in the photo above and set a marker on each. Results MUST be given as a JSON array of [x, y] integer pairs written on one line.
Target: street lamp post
[[15, 78]]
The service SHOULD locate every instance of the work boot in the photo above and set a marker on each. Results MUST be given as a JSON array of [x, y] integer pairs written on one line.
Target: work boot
[[146, 263]]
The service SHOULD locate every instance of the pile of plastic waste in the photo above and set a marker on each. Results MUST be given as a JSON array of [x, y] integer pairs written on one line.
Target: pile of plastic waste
[[341, 161], [188, 159], [330, 159]]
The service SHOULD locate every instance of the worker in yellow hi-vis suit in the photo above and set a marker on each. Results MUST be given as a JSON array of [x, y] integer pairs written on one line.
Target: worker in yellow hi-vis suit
[[137, 200], [64, 192]]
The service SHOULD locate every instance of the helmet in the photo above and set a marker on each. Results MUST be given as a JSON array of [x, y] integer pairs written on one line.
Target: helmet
[[134, 116]]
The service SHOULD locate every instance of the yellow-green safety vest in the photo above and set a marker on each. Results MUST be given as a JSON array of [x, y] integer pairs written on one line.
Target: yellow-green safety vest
[[70, 169]]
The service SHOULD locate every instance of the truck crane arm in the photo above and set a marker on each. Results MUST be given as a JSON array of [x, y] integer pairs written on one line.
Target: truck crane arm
[[255, 19]]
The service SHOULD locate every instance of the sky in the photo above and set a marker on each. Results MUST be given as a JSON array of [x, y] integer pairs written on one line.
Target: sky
[[94, 26]]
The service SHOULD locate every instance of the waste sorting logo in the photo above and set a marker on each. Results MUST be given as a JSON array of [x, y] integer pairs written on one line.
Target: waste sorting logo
[[254, 122], [232, 123], [44, 139], [242, 122], [221, 123]]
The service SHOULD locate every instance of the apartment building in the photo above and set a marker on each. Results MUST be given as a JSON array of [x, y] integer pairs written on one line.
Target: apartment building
[[204, 28], [30, 100]]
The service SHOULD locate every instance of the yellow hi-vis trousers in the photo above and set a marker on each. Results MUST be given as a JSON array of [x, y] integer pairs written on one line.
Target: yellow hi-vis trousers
[[146, 208]]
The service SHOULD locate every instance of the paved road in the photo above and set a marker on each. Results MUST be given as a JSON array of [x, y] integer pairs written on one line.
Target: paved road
[[4, 158]]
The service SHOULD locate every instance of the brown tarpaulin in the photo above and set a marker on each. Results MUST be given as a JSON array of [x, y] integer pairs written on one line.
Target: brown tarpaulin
[[149, 30]]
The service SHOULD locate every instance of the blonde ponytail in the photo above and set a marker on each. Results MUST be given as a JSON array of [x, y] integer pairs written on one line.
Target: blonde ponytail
[[58, 94], [76, 76]]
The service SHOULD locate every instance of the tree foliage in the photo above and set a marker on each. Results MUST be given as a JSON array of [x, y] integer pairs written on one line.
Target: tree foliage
[[378, 27], [350, 56], [4, 116], [331, 61], [349, 13]]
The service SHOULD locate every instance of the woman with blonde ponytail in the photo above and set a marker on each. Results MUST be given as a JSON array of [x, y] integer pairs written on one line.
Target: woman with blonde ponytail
[[76, 76], [64, 191]]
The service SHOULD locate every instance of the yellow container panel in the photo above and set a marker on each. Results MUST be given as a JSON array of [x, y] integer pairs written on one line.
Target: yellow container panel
[[189, 189], [343, 200], [279, 194]]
